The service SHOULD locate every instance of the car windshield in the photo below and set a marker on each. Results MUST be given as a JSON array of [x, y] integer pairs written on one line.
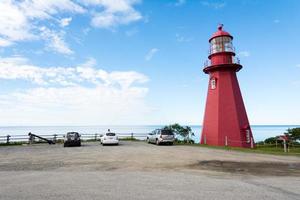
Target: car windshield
[[167, 132], [110, 134], [72, 135]]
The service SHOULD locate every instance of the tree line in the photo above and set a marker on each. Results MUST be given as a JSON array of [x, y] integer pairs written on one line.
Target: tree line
[[293, 135]]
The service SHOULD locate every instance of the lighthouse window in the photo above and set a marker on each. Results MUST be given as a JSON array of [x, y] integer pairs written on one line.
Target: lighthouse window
[[220, 44], [213, 84], [248, 136]]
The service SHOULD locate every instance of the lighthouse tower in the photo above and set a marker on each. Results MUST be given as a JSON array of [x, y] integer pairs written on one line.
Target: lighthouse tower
[[225, 120]]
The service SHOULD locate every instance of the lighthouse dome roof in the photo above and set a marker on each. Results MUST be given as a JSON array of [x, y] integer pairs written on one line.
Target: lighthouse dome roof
[[220, 33]]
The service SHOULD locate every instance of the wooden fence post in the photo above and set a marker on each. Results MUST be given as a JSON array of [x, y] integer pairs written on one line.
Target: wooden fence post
[[204, 139], [7, 139], [54, 138], [31, 138], [226, 142], [95, 136], [284, 146], [252, 145]]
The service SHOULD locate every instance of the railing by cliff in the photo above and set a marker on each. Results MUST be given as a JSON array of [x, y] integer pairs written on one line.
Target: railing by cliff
[[10, 139]]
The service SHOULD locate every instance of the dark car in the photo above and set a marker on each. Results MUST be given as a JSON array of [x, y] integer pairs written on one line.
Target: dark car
[[72, 139]]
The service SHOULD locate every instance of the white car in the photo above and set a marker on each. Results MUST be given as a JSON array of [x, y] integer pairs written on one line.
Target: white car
[[109, 138]]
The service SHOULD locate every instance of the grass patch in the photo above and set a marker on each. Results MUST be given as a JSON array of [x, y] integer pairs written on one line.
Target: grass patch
[[12, 143], [259, 149], [91, 140], [129, 139]]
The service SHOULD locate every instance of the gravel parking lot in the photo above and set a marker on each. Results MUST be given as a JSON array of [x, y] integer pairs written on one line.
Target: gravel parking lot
[[136, 170]]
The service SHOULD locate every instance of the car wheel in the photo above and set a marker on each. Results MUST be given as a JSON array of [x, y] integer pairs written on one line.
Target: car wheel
[[148, 141], [157, 142]]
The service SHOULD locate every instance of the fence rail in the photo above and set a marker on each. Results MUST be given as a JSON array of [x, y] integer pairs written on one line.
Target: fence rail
[[56, 137]]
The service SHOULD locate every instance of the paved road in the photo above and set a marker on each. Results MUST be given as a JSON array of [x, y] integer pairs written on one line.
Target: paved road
[[136, 170]]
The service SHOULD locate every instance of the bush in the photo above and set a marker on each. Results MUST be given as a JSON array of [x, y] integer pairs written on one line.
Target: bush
[[177, 141], [129, 139], [271, 140], [293, 134], [183, 131]]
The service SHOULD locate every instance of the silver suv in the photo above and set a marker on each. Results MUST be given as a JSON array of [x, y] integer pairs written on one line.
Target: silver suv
[[160, 136]]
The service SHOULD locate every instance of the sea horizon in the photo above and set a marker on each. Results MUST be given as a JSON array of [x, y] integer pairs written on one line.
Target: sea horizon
[[260, 132], [135, 125]]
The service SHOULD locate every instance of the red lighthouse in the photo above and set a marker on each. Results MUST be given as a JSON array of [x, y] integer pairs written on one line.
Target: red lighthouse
[[225, 120]]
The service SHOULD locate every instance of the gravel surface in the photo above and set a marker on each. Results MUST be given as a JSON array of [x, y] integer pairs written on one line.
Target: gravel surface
[[136, 170]]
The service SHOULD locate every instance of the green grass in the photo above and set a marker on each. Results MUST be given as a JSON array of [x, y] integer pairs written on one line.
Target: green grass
[[259, 149], [12, 143], [89, 140], [129, 139]]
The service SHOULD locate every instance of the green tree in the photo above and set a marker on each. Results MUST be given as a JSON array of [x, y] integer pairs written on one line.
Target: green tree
[[271, 140], [293, 134], [183, 131]]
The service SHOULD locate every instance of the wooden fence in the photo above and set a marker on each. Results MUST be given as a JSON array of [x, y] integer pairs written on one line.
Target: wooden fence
[[10, 139]]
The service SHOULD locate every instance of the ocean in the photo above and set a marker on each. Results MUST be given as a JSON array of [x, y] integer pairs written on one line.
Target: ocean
[[260, 132]]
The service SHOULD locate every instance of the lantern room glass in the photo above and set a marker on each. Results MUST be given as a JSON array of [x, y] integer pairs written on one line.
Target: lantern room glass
[[221, 44]]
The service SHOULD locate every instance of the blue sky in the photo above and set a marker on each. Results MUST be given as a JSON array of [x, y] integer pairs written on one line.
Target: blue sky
[[115, 62]]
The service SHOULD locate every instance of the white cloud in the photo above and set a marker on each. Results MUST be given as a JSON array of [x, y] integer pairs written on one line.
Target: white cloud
[[276, 21], [18, 68], [180, 38], [114, 13], [85, 31], [151, 53], [179, 2], [112, 5], [14, 25], [55, 40], [41, 9], [5, 42], [214, 5], [131, 32], [21, 20], [74, 105], [65, 21], [244, 54], [80, 94]]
